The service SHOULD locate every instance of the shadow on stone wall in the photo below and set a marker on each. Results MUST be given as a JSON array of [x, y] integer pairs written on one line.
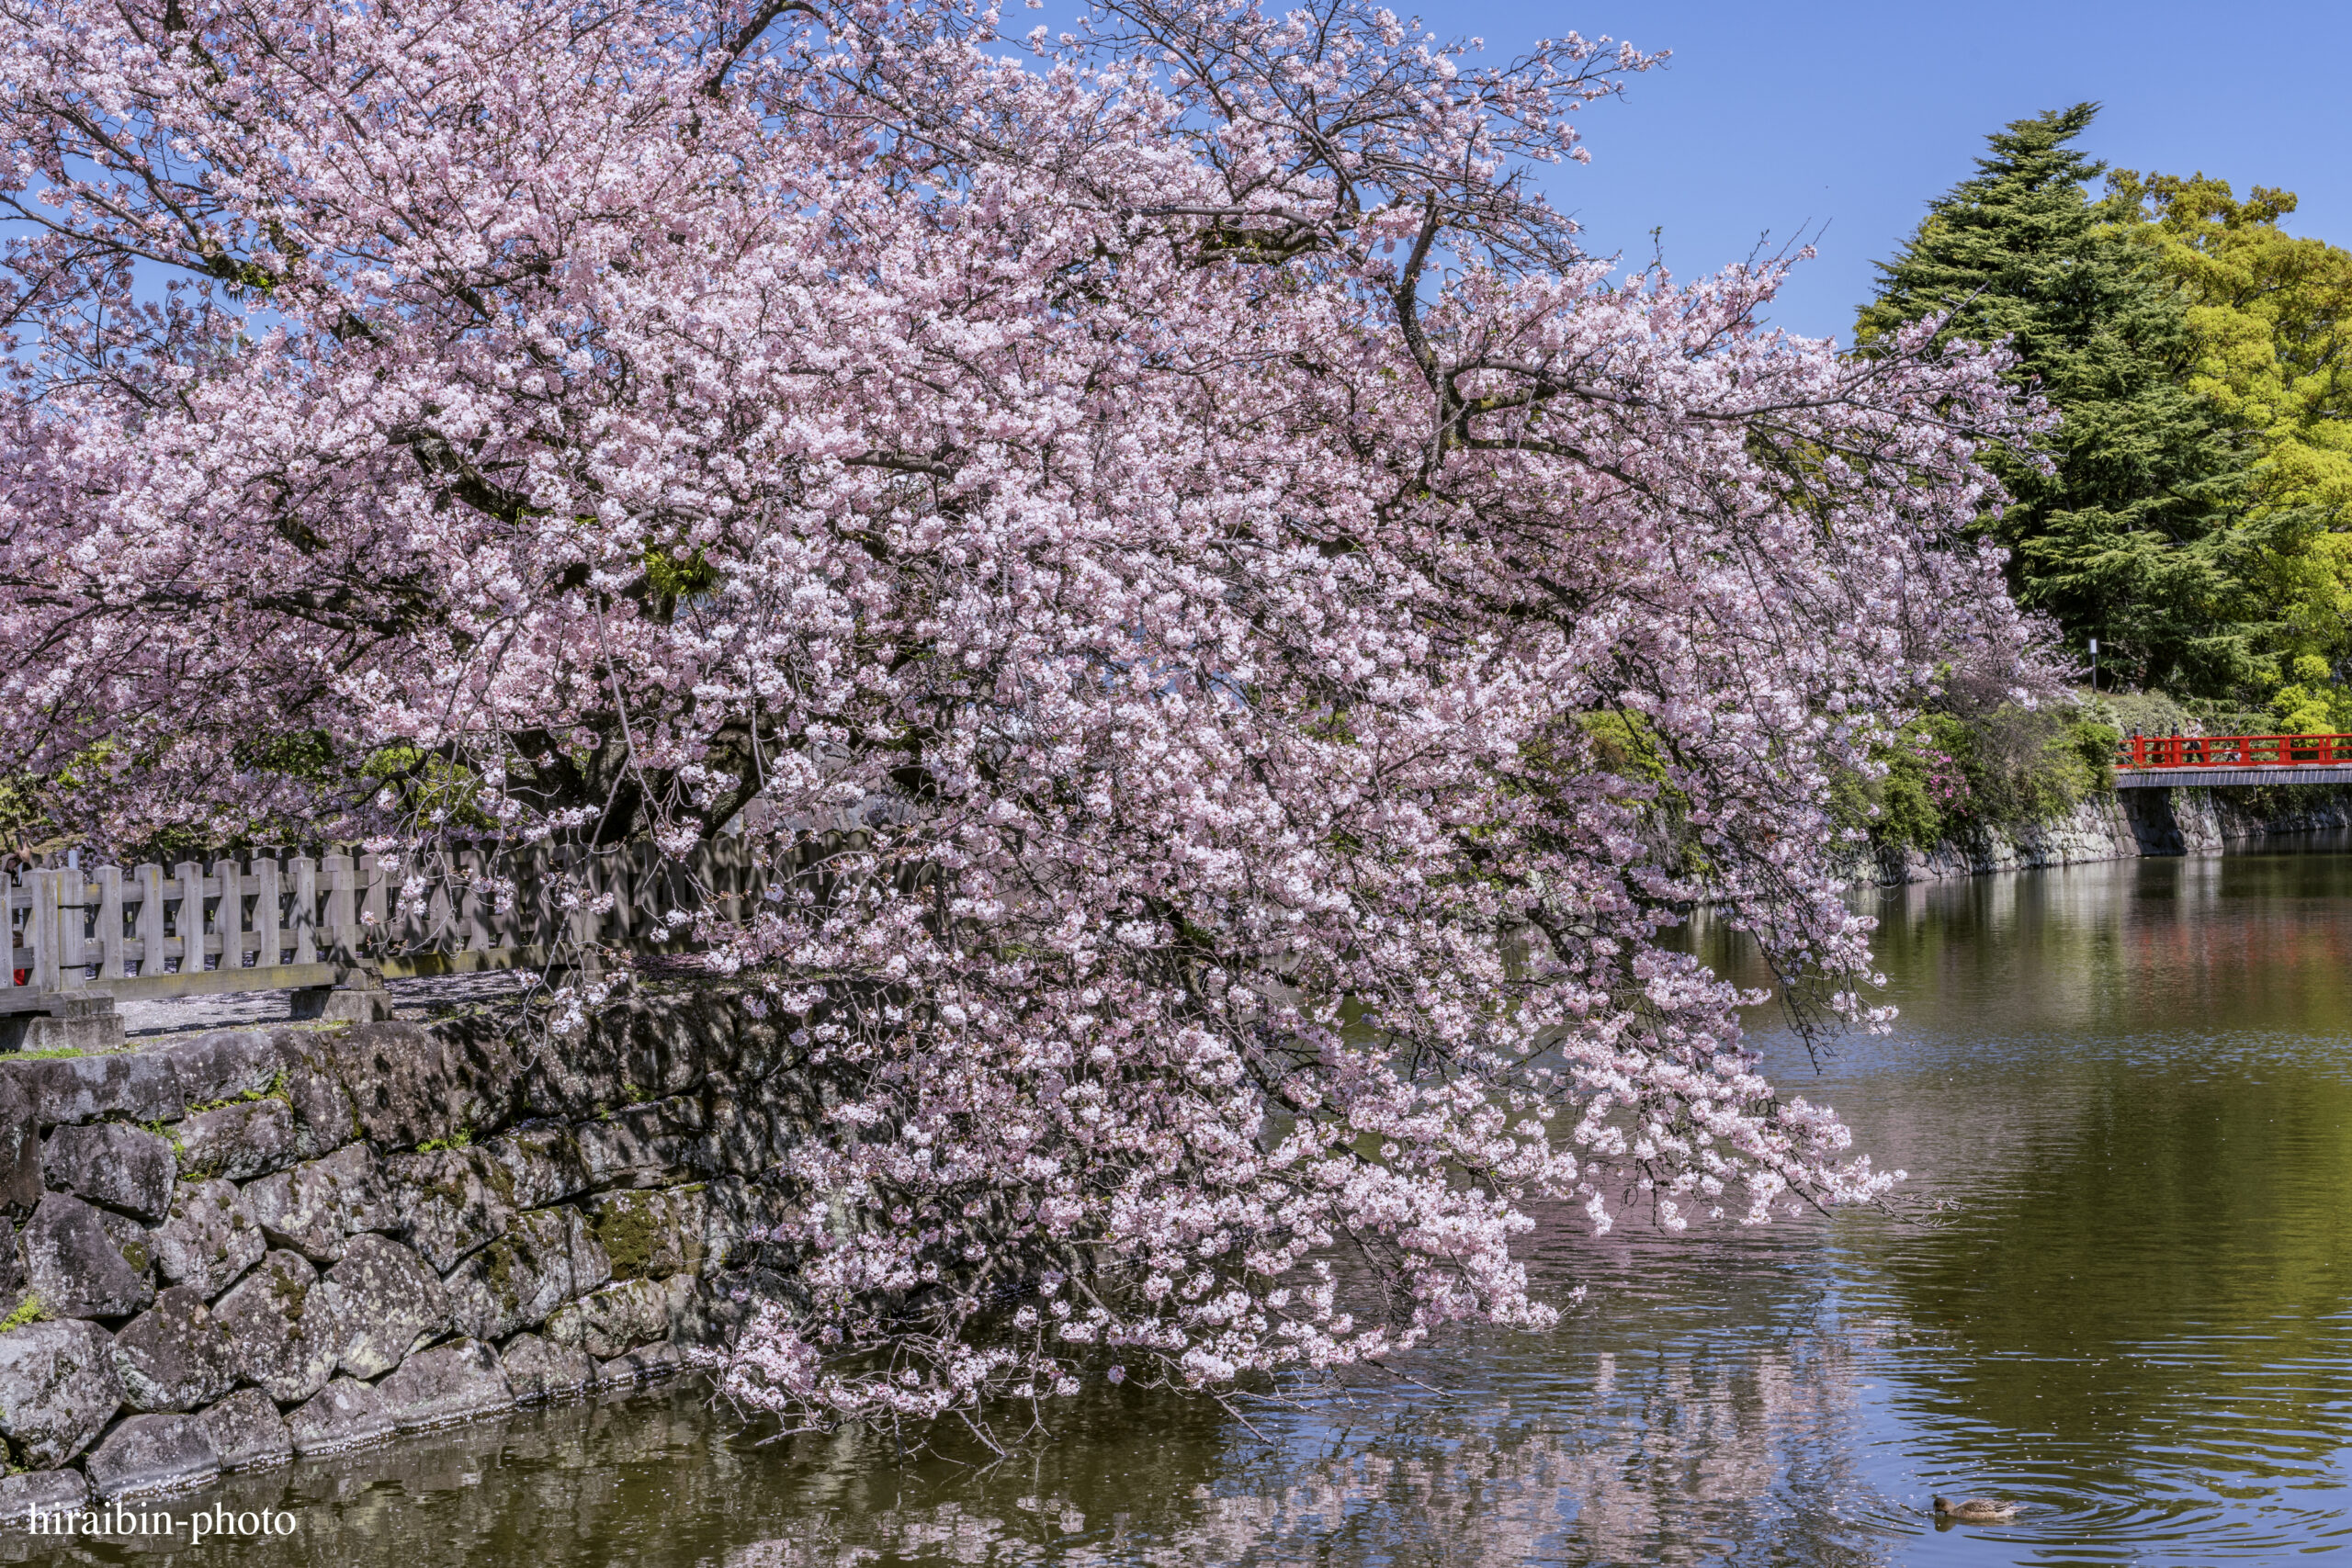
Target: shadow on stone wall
[[219, 1252]]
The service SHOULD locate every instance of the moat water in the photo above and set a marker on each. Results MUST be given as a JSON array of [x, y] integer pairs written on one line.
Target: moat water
[[2123, 1300]]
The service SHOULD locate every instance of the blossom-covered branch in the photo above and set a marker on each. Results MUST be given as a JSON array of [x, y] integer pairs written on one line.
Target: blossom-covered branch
[[1179, 483]]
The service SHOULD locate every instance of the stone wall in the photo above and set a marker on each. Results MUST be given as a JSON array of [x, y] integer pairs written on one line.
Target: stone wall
[[221, 1251], [2120, 825]]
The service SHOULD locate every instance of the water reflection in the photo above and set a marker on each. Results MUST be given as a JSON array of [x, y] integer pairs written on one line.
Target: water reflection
[[2130, 1086]]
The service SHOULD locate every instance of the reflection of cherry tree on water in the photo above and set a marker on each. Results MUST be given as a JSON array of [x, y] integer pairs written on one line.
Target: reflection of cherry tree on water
[[1669, 1458], [1184, 468]]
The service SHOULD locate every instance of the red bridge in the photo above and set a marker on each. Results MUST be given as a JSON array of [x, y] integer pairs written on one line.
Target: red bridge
[[2155, 762]]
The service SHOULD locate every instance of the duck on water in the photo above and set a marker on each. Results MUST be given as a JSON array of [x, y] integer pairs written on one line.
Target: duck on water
[[1979, 1510]]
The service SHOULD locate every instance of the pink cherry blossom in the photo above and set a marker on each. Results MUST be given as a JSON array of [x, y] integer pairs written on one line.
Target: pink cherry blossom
[[1178, 493]]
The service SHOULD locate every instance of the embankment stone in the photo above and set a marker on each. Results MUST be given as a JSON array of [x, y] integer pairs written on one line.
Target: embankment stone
[[108, 1163], [538, 1368], [139, 1085], [58, 1389], [346, 1414], [651, 1233], [72, 1262], [447, 1203], [642, 1146], [19, 1150], [149, 1453], [240, 1142], [281, 1337], [410, 1085], [546, 1258], [386, 1298], [247, 1431], [208, 1238], [618, 1318], [227, 1064], [534, 1166], [46, 1490], [648, 1363], [175, 1356], [456, 1381], [316, 1207]]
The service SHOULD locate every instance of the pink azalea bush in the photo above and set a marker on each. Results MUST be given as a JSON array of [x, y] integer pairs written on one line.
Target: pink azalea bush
[[1179, 481]]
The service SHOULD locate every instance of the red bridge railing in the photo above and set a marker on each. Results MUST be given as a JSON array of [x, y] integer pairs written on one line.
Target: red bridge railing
[[2235, 751]]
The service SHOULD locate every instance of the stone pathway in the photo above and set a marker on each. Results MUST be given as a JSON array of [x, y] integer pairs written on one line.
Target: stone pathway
[[418, 998]]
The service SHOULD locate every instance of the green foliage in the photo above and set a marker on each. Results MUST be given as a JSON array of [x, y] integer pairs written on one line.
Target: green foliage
[[2005, 767], [2270, 316], [29, 1310], [1623, 743], [2138, 533], [673, 578]]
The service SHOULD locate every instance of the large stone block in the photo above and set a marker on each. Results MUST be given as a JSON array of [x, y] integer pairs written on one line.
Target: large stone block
[[316, 1207], [651, 1232], [646, 1048], [152, 1454], [281, 1334], [447, 1203], [108, 1163], [19, 1150], [743, 1135], [643, 1145], [78, 1267], [648, 1363], [175, 1355], [48, 1490], [619, 1318], [208, 1238], [386, 1298], [58, 1389], [228, 1065], [538, 1368], [246, 1432], [456, 1381], [68, 1021], [546, 1258], [722, 1303], [345, 1414], [534, 1166], [139, 1085], [410, 1085], [742, 1216], [324, 1118], [240, 1141]]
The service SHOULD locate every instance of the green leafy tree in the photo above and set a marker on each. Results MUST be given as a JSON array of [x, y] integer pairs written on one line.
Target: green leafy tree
[[2138, 529], [2269, 314]]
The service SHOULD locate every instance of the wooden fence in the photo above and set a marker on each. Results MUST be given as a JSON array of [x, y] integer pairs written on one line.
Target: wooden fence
[[276, 921]]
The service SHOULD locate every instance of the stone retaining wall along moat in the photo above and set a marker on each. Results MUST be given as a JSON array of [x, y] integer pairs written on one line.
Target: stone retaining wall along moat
[[223, 1250]]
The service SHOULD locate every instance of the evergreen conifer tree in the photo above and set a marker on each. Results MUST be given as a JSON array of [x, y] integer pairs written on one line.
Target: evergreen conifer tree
[[2138, 532]]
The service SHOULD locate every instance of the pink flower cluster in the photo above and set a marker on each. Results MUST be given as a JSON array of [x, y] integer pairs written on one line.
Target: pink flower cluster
[[1947, 783], [1178, 484]]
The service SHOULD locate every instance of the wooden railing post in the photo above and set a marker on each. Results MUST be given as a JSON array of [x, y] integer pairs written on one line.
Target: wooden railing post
[[228, 914], [269, 897], [342, 909], [43, 925], [111, 955], [303, 873], [190, 877], [150, 920]]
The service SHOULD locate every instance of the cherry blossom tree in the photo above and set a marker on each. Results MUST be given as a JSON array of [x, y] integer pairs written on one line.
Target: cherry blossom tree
[[1297, 629]]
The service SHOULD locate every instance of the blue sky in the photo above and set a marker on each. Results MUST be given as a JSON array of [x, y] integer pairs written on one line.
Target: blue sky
[[1779, 117]]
